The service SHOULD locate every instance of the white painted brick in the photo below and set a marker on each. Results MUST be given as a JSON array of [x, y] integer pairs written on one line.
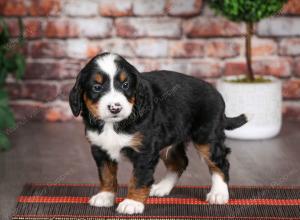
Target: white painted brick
[[81, 8], [279, 26], [95, 27], [148, 7], [151, 48]]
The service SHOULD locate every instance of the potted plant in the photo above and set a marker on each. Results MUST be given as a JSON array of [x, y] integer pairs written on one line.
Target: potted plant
[[11, 61], [259, 97]]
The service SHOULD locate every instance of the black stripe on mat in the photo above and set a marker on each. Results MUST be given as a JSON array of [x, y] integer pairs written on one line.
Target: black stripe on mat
[[161, 210]]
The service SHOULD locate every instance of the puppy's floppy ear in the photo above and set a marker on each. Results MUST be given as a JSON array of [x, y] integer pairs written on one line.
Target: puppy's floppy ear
[[143, 96], [75, 96]]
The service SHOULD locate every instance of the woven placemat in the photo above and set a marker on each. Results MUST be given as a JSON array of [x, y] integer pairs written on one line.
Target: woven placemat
[[70, 201]]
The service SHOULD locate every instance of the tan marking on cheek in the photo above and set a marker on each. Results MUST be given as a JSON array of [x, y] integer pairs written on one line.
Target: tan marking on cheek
[[122, 76], [99, 78], [204, 151], [132, 100], [108, 176], [92, 107], [137, 194], [136, 141]]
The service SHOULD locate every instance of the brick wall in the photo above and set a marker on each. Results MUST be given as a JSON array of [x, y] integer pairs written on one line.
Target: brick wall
[[181, 35]]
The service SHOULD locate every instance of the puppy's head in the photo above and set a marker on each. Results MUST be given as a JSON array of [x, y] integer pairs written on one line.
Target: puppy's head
[[106, 87]]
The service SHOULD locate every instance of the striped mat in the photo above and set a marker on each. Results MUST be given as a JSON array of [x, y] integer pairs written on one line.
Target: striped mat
[[70, 201]]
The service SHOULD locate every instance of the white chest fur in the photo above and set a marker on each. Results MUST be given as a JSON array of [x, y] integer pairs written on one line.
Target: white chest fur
[[110, 141]]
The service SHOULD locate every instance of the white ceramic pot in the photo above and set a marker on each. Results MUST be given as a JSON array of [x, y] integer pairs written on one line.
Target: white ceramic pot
[[261, 102]]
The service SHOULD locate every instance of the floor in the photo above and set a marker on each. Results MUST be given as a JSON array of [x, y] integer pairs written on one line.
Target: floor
[[59, 153]]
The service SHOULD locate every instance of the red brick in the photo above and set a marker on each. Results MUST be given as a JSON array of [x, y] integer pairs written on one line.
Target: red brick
[[115, 8], [263, 47], [279, 67], [184, 7], [222, 48], [65, 90], [292, 7], [13, 27], [14, 8], [146, 7], [205, 69], [235, 68], [291, 89], [148, 27], [52, 70], [290, 46], [49, 48], [61, 28], [25, 111], [212, 27], [58, 111], [44, 7], [291, 110], [93, 48], [32, 28], [297, 67], [191, 48], [33, 90], [2, 6]]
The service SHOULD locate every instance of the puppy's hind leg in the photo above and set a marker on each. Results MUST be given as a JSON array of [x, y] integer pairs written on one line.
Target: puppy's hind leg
[[215, 154], [175, 160]]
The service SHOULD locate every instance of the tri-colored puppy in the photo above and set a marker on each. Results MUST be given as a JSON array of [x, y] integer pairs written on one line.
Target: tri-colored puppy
[[147, 116]]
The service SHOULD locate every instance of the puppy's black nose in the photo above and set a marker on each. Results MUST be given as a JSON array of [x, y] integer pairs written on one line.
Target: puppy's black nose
[[115, 108]]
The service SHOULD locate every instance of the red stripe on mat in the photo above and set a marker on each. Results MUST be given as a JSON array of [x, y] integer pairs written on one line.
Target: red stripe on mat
[[173, 201], [149, 217]]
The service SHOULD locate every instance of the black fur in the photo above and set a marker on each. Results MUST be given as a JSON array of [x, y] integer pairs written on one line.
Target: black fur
[[170, 109]]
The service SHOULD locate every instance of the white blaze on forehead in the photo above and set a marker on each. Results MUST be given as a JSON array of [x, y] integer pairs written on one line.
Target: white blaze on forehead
[[108, 65], [112, 96]]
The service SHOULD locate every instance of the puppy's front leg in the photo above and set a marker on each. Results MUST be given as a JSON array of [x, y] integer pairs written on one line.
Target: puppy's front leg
[[139, 185], [107, 170]]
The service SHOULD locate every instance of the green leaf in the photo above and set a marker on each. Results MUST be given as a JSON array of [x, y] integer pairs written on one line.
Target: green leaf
[[4, 34], [20, 64], [21, 36], [7, 119], [247, 10], [3, 98], [4, 142]]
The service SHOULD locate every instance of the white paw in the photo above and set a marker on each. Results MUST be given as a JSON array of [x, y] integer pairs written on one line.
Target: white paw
[[102, 199], [129, 206], [215, 197], [219, 191], [160, 190], [165, 186]]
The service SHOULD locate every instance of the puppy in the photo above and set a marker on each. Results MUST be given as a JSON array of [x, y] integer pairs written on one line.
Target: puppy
[[147, 116]]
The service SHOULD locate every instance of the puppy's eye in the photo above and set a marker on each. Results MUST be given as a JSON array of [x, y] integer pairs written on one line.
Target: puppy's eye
[[125, 85], [97, 88]]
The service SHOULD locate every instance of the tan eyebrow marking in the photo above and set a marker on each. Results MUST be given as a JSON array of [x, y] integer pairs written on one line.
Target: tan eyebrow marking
[[99, 78], [122, 76]]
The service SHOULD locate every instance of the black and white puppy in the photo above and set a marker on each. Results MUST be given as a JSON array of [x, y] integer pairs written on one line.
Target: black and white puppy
[[147, 116]]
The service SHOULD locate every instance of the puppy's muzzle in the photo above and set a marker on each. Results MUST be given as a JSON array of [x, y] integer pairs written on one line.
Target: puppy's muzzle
[[115, 108]]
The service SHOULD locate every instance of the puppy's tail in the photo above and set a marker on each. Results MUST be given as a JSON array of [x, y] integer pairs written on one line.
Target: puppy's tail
[[236, 122]]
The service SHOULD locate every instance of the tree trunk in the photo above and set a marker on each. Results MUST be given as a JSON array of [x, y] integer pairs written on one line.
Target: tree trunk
[[250, 74]]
